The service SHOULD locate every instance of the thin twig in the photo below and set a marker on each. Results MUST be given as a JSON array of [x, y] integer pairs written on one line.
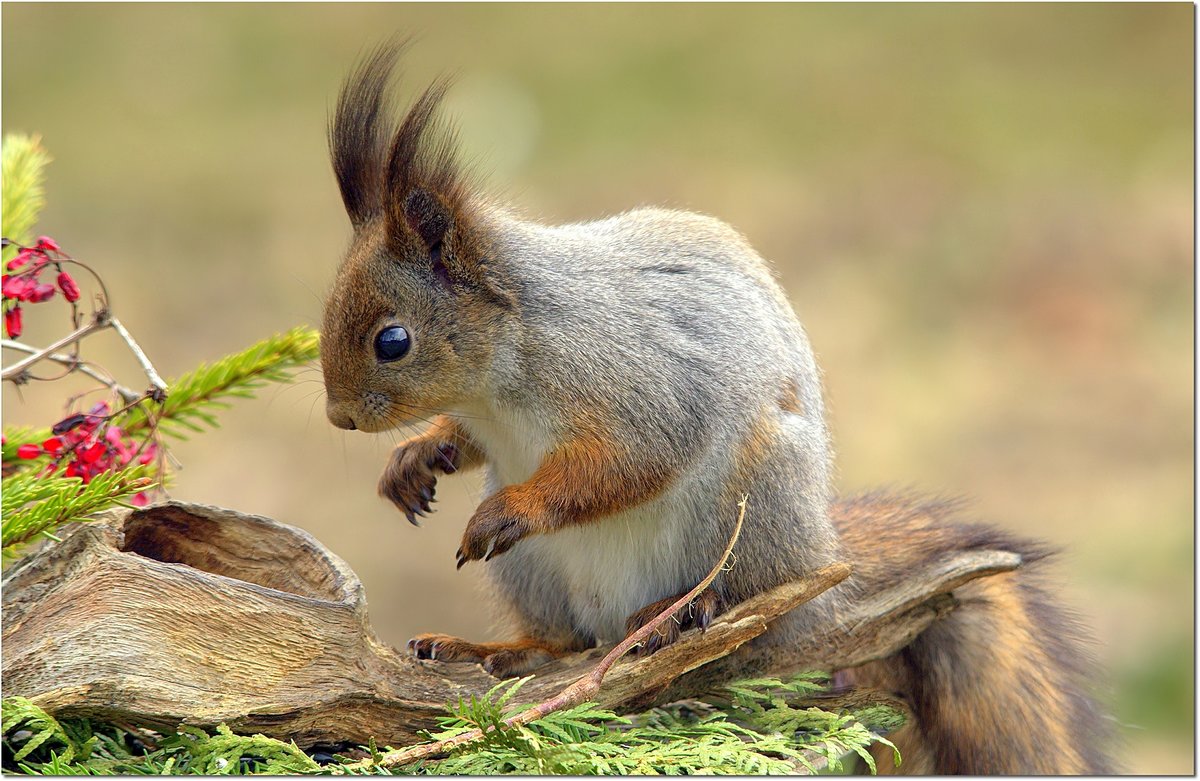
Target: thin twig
[[100, 322], [74, 363], [155, 380], [582, 690]]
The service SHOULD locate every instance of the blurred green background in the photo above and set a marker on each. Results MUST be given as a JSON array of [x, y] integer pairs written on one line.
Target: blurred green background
[[983, 213]]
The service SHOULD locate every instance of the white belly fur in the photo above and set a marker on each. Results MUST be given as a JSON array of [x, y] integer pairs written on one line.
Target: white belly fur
[[612, 567]]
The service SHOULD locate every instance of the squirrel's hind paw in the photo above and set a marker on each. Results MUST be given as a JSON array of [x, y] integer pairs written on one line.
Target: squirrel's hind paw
[[503, 660], [445, 648], [697, 613], [511, 662]]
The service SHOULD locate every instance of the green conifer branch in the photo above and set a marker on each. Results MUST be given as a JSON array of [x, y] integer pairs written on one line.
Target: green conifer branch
[[18, 713], [34, 504], [219, 754], [14, 437], [22, 166]]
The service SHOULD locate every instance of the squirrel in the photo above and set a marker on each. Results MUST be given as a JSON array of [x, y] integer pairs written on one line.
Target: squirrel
[[622, 383]]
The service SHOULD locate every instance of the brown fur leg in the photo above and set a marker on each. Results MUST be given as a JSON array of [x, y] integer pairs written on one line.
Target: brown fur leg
[[503, 660], [697, 613], [582, 480]]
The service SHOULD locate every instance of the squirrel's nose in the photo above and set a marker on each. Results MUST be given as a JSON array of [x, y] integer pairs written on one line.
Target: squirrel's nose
[[340, 418]]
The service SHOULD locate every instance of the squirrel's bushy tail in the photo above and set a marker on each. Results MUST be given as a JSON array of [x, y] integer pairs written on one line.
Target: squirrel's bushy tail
[[1001, 684]]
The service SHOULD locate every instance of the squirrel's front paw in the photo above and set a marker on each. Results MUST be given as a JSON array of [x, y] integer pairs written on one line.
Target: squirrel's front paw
[[496, 526], [410, 478]]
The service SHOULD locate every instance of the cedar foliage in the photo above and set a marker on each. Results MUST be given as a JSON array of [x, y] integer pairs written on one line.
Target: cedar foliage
[[762, 727]]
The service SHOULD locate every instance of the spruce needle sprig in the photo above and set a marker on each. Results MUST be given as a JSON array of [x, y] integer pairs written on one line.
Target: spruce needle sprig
[[23, 172], [194, 395], [35, 504]]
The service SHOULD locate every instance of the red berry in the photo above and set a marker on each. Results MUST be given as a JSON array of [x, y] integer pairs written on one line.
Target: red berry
[[18, 287], [45, 242], [41, 293], [93, 453], [12, 322], [52, 445], [67, 285], [28, 451], [21, 259]]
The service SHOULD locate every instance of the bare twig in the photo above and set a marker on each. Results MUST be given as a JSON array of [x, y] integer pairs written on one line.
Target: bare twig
[[100, 322], [155, 380], [582, 690], [74, 363]]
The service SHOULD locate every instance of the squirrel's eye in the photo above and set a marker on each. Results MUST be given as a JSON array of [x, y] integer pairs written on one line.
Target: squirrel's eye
[[391, 344]]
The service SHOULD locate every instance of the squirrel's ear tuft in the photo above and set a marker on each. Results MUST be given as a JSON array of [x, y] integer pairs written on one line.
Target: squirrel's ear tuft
[[425, 185], [359, 133], [427, 191], [405, 175]]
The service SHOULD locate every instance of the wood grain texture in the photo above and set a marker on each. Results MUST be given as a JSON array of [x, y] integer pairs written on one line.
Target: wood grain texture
[[184, 613]]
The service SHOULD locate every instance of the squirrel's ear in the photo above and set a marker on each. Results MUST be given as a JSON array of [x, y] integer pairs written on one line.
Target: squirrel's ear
[[430, 219], [427, 217]]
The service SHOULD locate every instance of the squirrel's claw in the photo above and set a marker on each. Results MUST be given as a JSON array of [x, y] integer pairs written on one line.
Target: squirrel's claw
[[447, 455], [444, 648], [698, 613], [492, 530], [410, 479]]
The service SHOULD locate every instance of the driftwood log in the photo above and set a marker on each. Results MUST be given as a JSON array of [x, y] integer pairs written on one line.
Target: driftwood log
[[184, 613]]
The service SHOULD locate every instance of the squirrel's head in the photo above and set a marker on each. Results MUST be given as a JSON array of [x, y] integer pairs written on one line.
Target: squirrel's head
[[413, 315]]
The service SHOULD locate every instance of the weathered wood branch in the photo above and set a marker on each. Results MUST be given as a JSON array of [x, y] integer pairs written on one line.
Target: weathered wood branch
[[183, 613]]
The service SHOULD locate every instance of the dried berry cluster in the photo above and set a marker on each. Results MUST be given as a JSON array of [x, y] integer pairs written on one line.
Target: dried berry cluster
[[25, 282], [83, 444], [88, 444]]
